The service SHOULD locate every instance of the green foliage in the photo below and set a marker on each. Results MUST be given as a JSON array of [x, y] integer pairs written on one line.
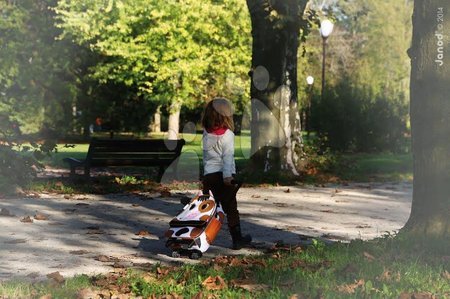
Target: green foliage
[[172, 52], [349, 121], [37, 84], [365, 105], [18, 162]]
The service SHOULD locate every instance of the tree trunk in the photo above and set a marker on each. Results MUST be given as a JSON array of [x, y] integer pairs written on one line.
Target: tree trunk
[[174, 120], [430, 115], [155, 124], [275, 125]]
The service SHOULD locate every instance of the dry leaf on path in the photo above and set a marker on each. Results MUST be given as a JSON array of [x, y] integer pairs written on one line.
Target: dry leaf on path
[[287, 191], [16, 241], [40, 217], [143, 233], [56, 276], [26, 219], [78, 252], [214, 283], [103, 258]]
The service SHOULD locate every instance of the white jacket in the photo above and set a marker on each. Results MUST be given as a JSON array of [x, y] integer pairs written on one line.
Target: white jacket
[[218, 153]]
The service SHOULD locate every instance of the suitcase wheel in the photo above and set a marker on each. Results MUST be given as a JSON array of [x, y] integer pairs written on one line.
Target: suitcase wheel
[[176, 254], [195, 254]]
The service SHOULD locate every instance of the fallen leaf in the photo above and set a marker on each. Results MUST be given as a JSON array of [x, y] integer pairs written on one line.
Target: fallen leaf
[[214, 283], [248, 285], [103, 258], [368, 256], [40, 217], [199, 295], [350, 288], [280, 204], [287, 191], [256, 196], [67, 196], [161, 272], [78, 252], [26, 219], [56, 276], [16, 241], [388, 276], [87, 294], [142, 233]]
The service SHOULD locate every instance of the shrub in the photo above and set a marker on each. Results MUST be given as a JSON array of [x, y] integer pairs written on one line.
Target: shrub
[[349, 121], [19, 162]]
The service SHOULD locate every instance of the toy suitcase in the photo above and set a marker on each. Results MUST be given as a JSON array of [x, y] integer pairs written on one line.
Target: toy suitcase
[[194, 229]]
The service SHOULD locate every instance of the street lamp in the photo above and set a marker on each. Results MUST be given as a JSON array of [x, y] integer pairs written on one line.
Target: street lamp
[[307, 115], [326, 27]]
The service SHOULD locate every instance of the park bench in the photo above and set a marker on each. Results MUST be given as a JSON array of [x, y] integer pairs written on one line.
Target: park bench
[[131, 152]]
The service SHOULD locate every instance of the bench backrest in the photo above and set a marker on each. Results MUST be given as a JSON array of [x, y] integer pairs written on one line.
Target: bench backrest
[[133, 152]]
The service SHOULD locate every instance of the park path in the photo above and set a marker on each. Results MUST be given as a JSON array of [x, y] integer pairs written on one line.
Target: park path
[[94, 234]]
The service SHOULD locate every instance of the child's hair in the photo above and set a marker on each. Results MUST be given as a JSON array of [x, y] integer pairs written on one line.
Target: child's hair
[[218, 113]]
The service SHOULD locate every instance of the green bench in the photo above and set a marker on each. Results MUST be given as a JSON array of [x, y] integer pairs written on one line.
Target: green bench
[[131, 152]]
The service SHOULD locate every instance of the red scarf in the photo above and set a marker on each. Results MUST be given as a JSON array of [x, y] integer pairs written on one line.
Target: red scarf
[[217, 131]]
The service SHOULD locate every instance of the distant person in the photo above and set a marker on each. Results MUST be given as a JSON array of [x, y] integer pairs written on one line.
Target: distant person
[[219, 164], [98, 124]]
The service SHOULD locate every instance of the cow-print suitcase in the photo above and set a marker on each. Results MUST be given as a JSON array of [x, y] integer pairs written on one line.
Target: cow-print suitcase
[[194, 229]]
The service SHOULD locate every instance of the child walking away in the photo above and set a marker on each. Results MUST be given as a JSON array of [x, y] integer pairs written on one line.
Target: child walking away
[[219, 165]]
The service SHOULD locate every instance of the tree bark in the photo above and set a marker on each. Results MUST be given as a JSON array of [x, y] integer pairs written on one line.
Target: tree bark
[[430, 115], [275, 125], [155, 124], [174, 120]]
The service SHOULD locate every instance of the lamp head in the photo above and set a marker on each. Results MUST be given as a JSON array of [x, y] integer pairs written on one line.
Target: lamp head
[[310, 80], [326, 27]]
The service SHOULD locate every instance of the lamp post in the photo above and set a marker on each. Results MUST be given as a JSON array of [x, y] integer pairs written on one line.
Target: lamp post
[[326, 27], [307, 116]]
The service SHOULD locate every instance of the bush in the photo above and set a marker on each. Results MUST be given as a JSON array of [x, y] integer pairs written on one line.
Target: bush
[[18, 162], [348, 121]]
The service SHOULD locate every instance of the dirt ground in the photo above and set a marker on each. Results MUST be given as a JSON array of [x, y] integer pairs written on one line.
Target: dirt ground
[[93, 234]]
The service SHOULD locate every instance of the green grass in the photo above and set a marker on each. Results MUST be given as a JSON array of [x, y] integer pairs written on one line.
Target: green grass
[[365, 167], [383, 268], [360, 167]]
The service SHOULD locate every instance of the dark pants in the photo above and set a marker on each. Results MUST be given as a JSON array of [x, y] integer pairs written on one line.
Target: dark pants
[[226, 195]]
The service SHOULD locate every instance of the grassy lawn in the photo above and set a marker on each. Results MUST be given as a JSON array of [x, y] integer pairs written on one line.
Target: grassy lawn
[[360, 167], [383, 268]]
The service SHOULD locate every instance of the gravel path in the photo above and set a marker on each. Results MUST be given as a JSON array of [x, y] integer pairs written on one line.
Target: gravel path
[[93, 234]]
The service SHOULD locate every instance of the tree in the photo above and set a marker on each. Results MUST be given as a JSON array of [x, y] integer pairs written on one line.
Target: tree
[[430, 110], [36, 70], [170, 51], [275, 123]]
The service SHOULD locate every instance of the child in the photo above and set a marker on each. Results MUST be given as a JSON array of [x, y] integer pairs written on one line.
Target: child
[[219, 165]]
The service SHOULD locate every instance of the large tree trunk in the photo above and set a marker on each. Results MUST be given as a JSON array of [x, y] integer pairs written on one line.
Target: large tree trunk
[[174, 120], [275, 125], [430, 118]]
